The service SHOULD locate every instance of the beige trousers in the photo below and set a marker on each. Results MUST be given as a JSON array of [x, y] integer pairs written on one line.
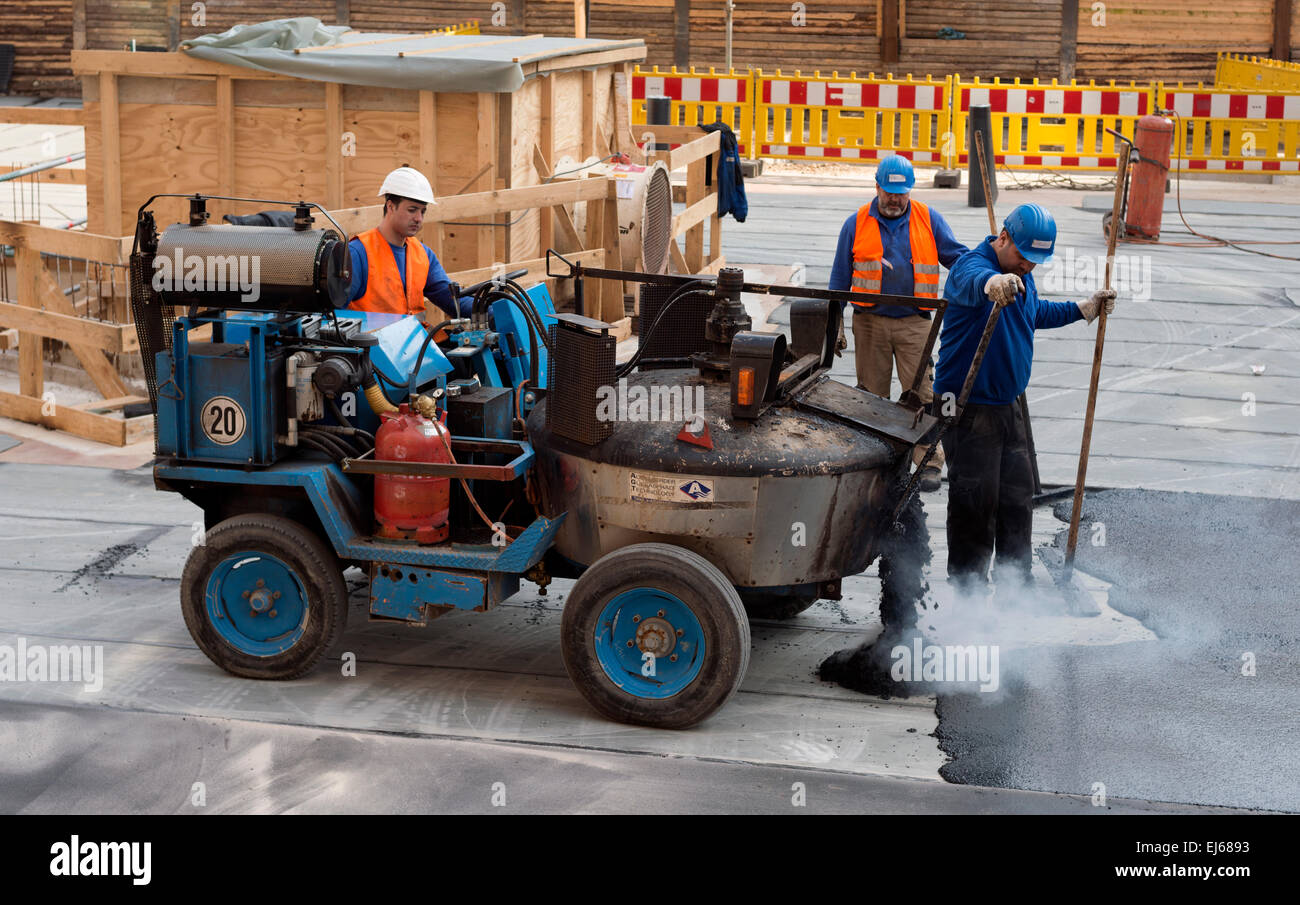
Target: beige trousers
[[880, 343]]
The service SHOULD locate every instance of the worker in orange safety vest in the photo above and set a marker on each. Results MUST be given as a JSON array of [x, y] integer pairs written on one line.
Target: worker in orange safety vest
[[392, 271]]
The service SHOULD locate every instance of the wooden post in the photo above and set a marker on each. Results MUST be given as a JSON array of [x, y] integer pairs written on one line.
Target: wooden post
[[546, 143], [1069, 38], [505, 174], [31, 346], [78, 24], [580, 18], [342, 12], [111, 148], [1282, 30], [225, 135], [888, 35], [695, 234], [173, 24], [333, 145], [682, 33], [611, 295]]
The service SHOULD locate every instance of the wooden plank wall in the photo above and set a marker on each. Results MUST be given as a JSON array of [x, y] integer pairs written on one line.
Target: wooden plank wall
[[1169, 39], [41, 32], [1142, 39]]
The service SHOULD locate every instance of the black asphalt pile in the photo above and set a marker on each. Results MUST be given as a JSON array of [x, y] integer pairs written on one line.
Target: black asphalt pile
[[1206, 713]]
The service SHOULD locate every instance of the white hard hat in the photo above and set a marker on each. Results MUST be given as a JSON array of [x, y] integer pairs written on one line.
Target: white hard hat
[[408, 182]]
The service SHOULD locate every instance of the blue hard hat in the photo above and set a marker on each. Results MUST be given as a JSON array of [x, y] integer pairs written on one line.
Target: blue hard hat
[[1033, 231], [895, 175]]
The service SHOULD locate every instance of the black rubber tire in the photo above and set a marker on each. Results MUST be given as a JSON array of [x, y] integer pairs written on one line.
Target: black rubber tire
[[696, 582], [775, 606], [303, 551]]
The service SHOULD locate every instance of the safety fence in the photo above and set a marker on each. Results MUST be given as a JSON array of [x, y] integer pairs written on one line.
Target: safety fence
[[1241, 72], [1035, 125]]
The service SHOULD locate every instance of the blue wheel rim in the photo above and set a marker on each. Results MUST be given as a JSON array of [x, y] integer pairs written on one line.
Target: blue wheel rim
[[656, 623], [245, 622]]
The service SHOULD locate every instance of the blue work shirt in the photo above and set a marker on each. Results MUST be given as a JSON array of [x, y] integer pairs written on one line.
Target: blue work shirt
[[1004, 373], [897, 278], [437, 288]]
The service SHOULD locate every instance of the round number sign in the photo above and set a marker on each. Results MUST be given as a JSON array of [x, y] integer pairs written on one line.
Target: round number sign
[[223, 420]]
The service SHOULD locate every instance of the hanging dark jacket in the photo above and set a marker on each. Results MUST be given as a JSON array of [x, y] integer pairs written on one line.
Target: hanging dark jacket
[[731, 181]]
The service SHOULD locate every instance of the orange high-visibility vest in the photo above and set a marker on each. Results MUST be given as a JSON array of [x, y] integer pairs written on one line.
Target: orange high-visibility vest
[[384, 290], [869, 252]]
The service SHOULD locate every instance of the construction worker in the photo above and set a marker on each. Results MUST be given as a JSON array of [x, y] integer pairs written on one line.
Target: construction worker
[[990, 481], [392, 271], [894, 245]]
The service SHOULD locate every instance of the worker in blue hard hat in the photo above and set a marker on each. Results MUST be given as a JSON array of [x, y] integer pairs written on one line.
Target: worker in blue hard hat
[[894, 245], [990, 479]]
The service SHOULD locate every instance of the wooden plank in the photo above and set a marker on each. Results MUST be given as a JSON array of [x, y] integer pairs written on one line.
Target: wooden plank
[[545, 149], [110, 149], [225, 135], [588, 125], [31, 347], [41, 116], [485, 156], [100, 428], [98, 368], [620, 329], [119, 62], [109, 405], [536, 267], [715, 265], [695, 213], [333, 144], [66, 328], [695, 151], [66, 242], [622, 111], [429, 157], [676, 260], [8, 339], [60, 176]]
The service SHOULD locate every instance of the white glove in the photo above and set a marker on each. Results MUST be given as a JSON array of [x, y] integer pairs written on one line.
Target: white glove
[[1003, 288], [1091, 308]]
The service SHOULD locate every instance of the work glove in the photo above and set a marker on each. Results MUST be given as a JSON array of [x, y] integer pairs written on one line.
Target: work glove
[[1091, 308], [1002, 289], [842, 342]]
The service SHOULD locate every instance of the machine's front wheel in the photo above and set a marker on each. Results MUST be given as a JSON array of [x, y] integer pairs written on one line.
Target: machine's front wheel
[[656, 635], [263, 597]]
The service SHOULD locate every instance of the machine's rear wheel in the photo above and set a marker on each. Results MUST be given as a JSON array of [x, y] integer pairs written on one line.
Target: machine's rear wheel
[[656, 635], [263, 597]]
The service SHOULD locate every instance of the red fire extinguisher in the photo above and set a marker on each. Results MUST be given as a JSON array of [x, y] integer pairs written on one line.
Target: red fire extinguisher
[[409, 507], [1146, 192]]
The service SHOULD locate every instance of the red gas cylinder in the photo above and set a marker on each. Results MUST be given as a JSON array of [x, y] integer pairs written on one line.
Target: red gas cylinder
[[1146, 190], [412, 508]]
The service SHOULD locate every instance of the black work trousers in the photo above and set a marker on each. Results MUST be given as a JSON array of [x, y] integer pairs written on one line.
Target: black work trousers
[[990, 495]]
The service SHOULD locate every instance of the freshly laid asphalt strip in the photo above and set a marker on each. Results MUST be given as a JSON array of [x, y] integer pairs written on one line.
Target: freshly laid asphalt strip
[[1177, 719]]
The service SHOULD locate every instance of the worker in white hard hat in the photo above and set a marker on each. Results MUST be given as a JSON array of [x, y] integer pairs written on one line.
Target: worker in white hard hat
[[392, 271]]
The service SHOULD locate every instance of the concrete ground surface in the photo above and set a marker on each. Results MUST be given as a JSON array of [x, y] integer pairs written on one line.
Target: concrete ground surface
[[436, 717]]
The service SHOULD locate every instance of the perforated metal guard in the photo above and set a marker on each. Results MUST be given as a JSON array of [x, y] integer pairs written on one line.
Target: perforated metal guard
[[656, 231], [580, 364], [153, 325], [681, 332]]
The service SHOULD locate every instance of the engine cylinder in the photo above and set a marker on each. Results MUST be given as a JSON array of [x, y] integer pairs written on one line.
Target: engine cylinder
[[410, 508]]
